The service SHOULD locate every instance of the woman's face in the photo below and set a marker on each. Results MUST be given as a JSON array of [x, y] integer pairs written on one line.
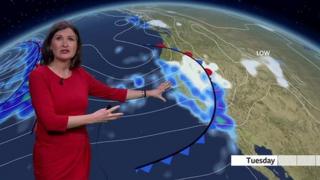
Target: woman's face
[[64, 44]]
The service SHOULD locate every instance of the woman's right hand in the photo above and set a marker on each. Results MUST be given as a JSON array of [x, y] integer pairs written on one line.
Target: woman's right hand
[[104, 115]]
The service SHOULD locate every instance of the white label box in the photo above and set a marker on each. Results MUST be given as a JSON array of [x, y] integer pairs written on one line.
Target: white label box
[[254, 160], [275, 160]]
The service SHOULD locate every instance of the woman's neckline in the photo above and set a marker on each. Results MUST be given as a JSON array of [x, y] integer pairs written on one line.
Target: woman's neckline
[[57, 75]]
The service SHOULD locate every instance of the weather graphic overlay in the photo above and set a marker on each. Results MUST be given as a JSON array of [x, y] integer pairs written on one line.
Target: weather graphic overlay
[[190, 111], [240, 86], [16, 64]]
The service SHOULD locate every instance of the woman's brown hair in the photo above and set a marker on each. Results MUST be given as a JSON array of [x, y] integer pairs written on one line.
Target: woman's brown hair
[[47, 54]]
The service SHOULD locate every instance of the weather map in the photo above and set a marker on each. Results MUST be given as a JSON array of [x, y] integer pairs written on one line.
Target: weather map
[[239, 86], [16, 64]]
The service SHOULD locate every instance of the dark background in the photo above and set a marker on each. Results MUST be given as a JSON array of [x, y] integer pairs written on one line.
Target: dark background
[[19, 16]]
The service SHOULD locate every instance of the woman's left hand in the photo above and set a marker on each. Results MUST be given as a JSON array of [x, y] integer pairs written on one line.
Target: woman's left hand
[[157, 93]]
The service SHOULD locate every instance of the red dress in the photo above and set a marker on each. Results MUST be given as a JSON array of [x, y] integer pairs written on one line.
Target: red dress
[[61, 153]]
